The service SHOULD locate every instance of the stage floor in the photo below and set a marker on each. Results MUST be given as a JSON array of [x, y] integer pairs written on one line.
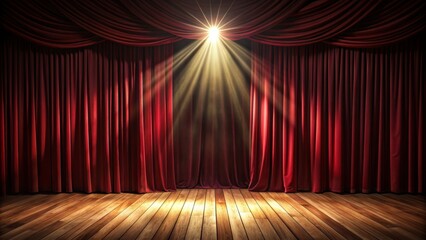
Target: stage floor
[[213, 214]]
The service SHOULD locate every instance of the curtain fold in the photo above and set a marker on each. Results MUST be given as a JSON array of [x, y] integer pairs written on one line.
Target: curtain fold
[[317, 22], [40, 23], [388, 23], [113, 22], [211, 148], [96, 119], [191, 19], [333, 119], [355, 24]]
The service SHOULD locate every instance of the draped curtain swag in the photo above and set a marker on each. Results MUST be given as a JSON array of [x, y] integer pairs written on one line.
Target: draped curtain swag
[[73, 24]]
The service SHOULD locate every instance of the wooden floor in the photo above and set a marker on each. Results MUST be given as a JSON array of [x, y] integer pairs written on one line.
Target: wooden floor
[[213, 214]]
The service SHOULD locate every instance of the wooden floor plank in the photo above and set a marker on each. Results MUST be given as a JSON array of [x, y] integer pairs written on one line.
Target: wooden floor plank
[[77, 222], [62, 215], [262, 221], [237, 227], [181, 225], [223, 224], [332, 212], [197, 216], [33, 209], [249, 222], [41, 217], [280, 227], [292, 223], [209, 223], [138, 226], [213, 214], [387, 215], [94, 221], [361, 220], [305, 210], [117, 220], [335, 225], [166, 227], [414, 204], [141, 208], [309, 227], [104, 220], [153, 225], [410, 213], [10, 202]]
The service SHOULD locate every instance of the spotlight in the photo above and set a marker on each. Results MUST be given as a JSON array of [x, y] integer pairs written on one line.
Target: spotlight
[[213, 34]]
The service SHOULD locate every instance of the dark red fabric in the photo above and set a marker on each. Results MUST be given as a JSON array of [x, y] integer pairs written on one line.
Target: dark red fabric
[[71, 24], [109, 20], [40, 23], [211, 139], [210, 149], [317, 22], [236, 19], [353, 24], [389, 22], [345, 120], [94, 119]]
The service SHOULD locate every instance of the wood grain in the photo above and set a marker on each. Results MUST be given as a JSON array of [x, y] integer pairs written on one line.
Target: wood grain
[[237, 227], [213, 214], [181, 226], [169, 222], [209, 224], [223, 225]]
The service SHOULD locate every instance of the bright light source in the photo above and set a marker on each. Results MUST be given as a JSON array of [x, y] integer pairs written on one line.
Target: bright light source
[[213, 34]]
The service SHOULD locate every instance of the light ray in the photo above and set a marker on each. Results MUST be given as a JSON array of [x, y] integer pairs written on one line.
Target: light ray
[[212, 83], [204, 15], [204, 25], [278, 93], [220, 23]]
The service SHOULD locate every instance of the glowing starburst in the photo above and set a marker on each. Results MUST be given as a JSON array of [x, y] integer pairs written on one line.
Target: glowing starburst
[[210, 86], [214, 34]]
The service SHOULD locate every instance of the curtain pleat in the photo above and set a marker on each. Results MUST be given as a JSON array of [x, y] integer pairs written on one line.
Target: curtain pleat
[[334, 119], [76, 120]]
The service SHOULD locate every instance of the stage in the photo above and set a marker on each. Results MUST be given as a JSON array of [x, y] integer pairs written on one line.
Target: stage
[[213, 214]]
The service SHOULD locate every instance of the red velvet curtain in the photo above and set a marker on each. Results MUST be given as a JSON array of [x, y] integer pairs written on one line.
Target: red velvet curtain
[[211, 135], [100, 117], [211, 149], [92, 119], [345, 120]]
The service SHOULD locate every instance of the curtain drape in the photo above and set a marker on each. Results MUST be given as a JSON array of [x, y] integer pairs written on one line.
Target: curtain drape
[[211, 135], [73, 24], [334, 119], [211, 150], [236, 19], [93, 119], [355, 24]]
